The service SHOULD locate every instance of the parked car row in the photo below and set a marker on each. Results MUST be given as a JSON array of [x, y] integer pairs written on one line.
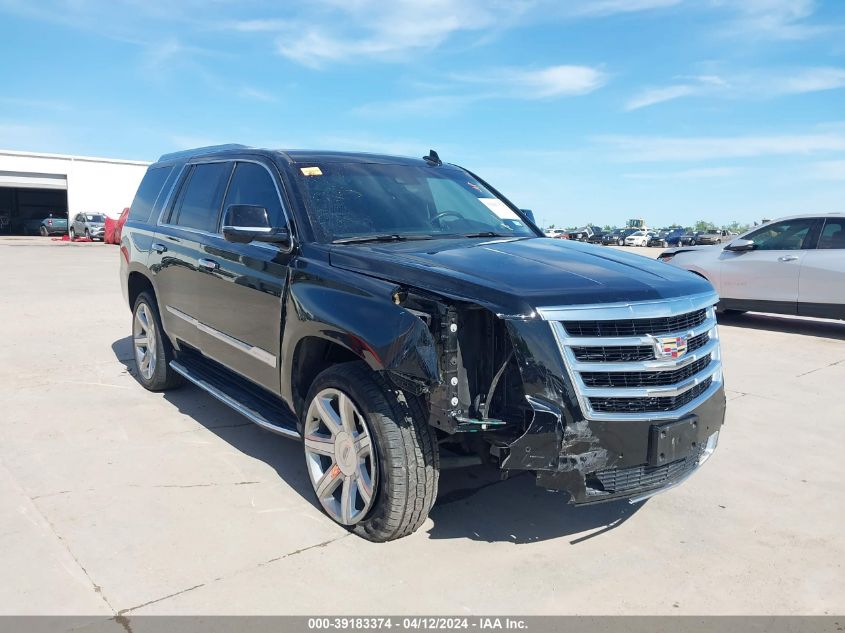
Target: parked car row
[[82, 225], [663, 238]]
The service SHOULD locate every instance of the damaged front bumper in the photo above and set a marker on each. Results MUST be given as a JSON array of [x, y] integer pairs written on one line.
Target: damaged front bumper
[[602, 461], [597, 460]]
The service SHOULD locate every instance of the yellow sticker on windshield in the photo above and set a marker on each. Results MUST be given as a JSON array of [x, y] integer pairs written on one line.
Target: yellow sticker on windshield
[[311, 171]]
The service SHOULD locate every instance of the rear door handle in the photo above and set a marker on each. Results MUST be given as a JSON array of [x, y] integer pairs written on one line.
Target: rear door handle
[[159, 248], [787, 258], [208, 264]]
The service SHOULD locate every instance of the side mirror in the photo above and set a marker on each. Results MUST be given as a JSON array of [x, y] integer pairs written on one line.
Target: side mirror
[[244, 223], [528, 213], [741, 246]]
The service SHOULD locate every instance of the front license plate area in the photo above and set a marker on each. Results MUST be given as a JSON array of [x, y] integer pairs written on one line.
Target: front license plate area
[[672, 441]]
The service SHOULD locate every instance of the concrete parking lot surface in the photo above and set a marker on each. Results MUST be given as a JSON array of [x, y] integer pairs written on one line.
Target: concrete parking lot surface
[[117, 500]]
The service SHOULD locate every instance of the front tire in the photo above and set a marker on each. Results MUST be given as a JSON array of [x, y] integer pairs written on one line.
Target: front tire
[[620, 242], [43, 231], [371, 456], [152, 348]]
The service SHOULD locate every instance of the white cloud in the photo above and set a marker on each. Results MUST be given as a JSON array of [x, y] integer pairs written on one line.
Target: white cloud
[[686, 174], [654, 96], [665, 148], [430, 106], [692, 86], [255, 94], [557, 81], [257, 25], [540, 83], [749, 85], [610, 7], [347, 31], [372, 29], [811, 80], [502, 83], [828, 170], [773, 19]]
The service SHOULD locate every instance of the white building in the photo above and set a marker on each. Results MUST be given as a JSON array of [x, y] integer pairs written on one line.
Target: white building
[[33, 186]]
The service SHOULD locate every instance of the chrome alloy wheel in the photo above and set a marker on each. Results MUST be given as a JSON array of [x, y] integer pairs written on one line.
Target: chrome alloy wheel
[[340, 457], [144, 340]]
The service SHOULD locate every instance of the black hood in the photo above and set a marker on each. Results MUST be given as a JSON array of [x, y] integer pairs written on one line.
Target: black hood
[[514, 277]]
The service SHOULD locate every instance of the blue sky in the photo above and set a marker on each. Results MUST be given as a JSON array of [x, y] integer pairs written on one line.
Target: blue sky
[[602, 110]]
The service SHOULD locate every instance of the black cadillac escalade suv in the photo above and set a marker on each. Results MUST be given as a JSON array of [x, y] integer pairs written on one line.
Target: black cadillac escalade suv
[[382, 308]]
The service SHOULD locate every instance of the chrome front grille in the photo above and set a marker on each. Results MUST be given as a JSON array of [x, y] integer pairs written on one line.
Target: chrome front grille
[[635, 327], [623, 353], [624, 362]]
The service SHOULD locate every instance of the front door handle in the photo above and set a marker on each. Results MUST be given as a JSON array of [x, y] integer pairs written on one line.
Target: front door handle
[[159, 248], [788, 258], [208, 264]]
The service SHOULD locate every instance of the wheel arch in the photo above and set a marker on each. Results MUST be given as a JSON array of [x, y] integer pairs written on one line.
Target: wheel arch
[[311, 356], [136, 283]]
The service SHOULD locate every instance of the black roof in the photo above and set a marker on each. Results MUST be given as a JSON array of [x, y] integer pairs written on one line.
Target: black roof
[[297, 156], [329, 156]]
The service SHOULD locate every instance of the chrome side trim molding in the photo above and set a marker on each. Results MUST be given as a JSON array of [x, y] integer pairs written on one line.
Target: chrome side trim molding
[[251, 415], [256, 352], [640, 310]]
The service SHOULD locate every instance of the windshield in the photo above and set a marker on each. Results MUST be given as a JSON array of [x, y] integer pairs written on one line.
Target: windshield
[[349, 200], [95, 217]]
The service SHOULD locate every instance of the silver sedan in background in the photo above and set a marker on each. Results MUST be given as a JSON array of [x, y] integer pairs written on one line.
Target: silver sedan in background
[[794, 265]]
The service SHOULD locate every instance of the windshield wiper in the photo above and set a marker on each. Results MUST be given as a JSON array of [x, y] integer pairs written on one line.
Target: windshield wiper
[[359, 239], [487, 234]]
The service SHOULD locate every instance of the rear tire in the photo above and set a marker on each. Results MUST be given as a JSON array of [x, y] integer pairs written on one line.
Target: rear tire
[[151, 347], [43, 231], [71, 233], [390, 495]]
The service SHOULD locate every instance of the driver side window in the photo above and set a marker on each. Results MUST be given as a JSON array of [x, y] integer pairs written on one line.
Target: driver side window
[[252, 184], [789, 235]]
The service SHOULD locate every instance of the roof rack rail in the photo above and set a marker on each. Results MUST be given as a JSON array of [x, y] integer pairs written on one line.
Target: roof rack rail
[[199, 151]]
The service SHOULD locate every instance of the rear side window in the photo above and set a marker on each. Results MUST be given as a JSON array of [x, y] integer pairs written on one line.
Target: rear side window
[[252, 184], [833, 234], [148, 191], [201, 196]]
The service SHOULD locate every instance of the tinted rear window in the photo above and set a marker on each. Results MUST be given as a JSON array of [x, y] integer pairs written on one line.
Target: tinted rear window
[[148, 191]]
